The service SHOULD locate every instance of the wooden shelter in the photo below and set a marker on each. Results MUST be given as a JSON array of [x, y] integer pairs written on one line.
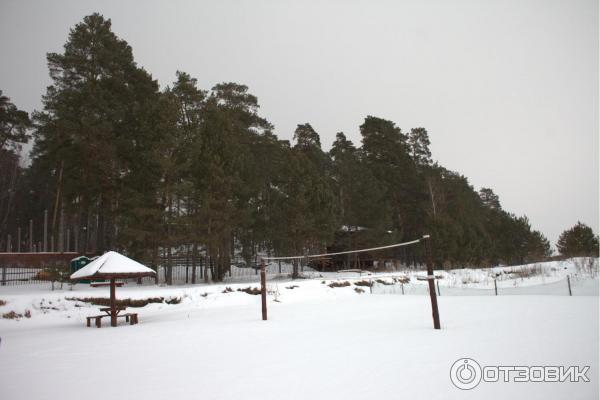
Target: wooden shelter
[[112, 266]]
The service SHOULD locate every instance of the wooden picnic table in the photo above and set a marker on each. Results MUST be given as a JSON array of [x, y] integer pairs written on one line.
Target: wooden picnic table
[[129, 317], [114, 310]]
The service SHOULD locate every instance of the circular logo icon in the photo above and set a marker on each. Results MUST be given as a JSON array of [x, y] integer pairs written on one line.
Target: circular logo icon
[[465, 373]]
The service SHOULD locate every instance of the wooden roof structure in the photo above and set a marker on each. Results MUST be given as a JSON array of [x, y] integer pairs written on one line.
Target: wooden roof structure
[[112, 265]]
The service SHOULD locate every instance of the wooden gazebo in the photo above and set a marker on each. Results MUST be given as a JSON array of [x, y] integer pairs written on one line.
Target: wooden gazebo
[[112, 266]]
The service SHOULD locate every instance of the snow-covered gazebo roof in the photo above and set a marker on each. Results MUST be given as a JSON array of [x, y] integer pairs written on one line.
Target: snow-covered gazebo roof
[[112, 265]]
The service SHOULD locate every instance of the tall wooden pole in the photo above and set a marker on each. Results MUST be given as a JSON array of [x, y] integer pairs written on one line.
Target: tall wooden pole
[[430, 277], [45, 231], [113, 307], [194, 256], [263, 288], [76, 238], [31, 236], [55, 213], [61, 231]]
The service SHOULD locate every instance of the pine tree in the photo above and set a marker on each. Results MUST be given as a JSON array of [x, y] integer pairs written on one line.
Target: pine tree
[[345, 163], [387, 155], [490, 199], [97, 123], [224, 172], [361, 197], [418, 140], [306, 138], [13, 124], [538, 246], [308, 206], [578, 241]]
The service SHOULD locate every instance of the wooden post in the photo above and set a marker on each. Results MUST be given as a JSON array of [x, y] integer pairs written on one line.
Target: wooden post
[[495, 287], [18, 239], [31, 236], [68, 245], [193, 264], [437, 283], [3, 275], [55, 213], [45, 231], [61, 231], [294, 268], [402, 285], [430, 278], [187, 270], [201, 262], [8, 244], [569, 284], [263, 288], [169, 266], [113, 306], [279, 267], [206, 267], [76, 238]]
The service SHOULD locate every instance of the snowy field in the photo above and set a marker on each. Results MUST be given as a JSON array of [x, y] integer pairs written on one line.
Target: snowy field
[[319, 343]]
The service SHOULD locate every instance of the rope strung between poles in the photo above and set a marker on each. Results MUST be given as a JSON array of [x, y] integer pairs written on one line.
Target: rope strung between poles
[[430, 276], [344, 252]]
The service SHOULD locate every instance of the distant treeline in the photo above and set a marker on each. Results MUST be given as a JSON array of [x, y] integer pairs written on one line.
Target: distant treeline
[[135, 168]]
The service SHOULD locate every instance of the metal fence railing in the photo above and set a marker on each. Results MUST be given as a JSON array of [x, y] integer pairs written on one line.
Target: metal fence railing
[[183, 271], [14, 275], [571, 286]]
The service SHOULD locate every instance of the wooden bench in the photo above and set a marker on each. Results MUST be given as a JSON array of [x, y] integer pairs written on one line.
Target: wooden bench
[[132, 318], [98, 319]]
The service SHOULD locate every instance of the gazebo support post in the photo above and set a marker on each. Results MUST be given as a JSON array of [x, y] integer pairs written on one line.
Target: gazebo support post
[[113, 307]]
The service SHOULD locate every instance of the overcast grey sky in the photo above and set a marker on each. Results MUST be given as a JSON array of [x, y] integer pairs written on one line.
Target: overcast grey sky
[[508, 89]]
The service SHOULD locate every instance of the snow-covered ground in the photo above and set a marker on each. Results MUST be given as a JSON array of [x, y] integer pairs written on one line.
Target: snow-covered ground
[[319, 342]]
